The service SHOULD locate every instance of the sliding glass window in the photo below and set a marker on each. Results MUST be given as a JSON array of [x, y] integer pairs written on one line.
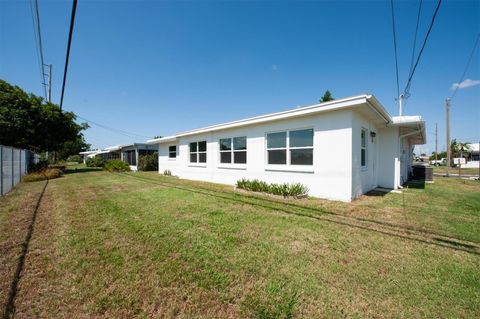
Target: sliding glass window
[[233, 150]]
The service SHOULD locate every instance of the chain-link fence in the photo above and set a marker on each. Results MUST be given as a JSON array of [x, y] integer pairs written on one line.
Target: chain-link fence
[[14, 164]]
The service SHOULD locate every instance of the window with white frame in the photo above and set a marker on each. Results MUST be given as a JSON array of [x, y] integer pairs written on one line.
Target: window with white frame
[[363, 154], [233, 150], [198, 152], [172, 151], [294, 147]]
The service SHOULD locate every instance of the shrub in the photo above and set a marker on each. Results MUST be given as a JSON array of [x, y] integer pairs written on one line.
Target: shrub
[[59, 166], [74, 159], [285, 189], [116, 165], [167, 172], [148, 162], [49, 173], [35, 167], [96, 161]]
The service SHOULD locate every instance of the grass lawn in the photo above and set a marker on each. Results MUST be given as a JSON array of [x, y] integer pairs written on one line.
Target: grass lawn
[[454, 170], [148, 246]]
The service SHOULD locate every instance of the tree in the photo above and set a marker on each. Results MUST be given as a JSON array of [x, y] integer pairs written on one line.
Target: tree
[[457, 149], [26, 121], [327, 96], [439, 156]]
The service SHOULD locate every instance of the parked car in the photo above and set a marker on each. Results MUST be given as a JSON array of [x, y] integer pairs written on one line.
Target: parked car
[[439, 162]]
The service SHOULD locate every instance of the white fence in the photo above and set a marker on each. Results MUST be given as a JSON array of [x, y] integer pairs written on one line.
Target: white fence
[[14, 164]]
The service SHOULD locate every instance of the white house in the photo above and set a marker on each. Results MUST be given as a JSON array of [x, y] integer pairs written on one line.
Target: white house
[[340, 149], [129, 153]]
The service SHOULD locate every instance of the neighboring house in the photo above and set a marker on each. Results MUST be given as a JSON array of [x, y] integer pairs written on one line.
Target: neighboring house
[[473, 156], [128, 153], [131, 153], [340, 149], [88, 154]]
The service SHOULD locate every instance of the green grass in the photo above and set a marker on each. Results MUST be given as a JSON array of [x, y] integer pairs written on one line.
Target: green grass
[[454, 170], [144, 245]]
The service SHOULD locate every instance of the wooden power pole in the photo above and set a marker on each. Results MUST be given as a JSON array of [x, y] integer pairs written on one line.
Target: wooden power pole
[[447, 113], [436, 144]]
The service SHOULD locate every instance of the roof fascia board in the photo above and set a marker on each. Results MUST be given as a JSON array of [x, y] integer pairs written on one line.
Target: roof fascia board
[[317, 108]]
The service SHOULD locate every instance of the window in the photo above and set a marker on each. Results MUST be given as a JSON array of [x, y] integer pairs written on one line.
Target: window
[[301, 147], [277, 148], [198, 152], [363, 154], [294, 147], [233, 150], [172, 151]]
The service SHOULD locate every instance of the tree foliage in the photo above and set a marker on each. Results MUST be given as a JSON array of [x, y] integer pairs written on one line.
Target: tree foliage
[[327, 96], [27, 121]]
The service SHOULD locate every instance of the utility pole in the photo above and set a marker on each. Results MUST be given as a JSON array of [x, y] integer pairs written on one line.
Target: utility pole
[[50, 83], [49, 96], [436, 144], [447, 113], [400, 104]]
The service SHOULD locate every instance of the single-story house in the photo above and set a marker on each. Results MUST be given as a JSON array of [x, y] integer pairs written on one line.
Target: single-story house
[[339, 149], [131, 153], [88, 154], [111, 152], [128, 153]]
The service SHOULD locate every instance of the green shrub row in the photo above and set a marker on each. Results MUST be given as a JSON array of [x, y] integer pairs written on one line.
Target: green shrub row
[[285, 189], [116, 165], [96, 161]]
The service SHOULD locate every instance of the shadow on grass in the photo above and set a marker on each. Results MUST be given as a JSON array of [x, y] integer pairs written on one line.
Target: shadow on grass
[[389, 229], [82, 170], [374, 193], [416, 184], [9, 310]]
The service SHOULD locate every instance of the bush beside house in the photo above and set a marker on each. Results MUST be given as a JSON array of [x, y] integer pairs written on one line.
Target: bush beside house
[[285, 189], [148, 162], [96, 161], [116, 166]]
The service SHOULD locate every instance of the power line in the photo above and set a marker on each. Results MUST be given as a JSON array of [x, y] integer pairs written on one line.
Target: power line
[[72, 21], [409, 82], [415, 37], [38, 42], [118, 131], [466, 67], [395, 47], [41, 46]]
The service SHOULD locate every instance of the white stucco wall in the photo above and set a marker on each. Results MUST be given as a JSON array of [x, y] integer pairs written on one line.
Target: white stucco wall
[[388, 157], [330, 176], [364, 179]]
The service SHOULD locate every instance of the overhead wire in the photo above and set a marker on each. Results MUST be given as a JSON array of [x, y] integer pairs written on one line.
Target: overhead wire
[[72, 22], [118, 131], [38, 46], [409, 82], [415, 37], [41, 47], [395, 47], [466, 67]]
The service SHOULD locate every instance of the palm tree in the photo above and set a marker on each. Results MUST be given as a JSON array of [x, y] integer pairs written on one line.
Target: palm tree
[[458, 148]]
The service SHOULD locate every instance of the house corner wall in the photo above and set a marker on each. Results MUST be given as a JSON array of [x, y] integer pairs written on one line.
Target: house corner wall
[[389, 161]]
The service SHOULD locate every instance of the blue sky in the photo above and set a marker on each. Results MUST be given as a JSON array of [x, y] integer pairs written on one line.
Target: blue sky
[[159, 67]]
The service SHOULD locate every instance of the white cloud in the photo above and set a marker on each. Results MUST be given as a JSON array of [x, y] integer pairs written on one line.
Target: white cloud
[[465, 84]]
